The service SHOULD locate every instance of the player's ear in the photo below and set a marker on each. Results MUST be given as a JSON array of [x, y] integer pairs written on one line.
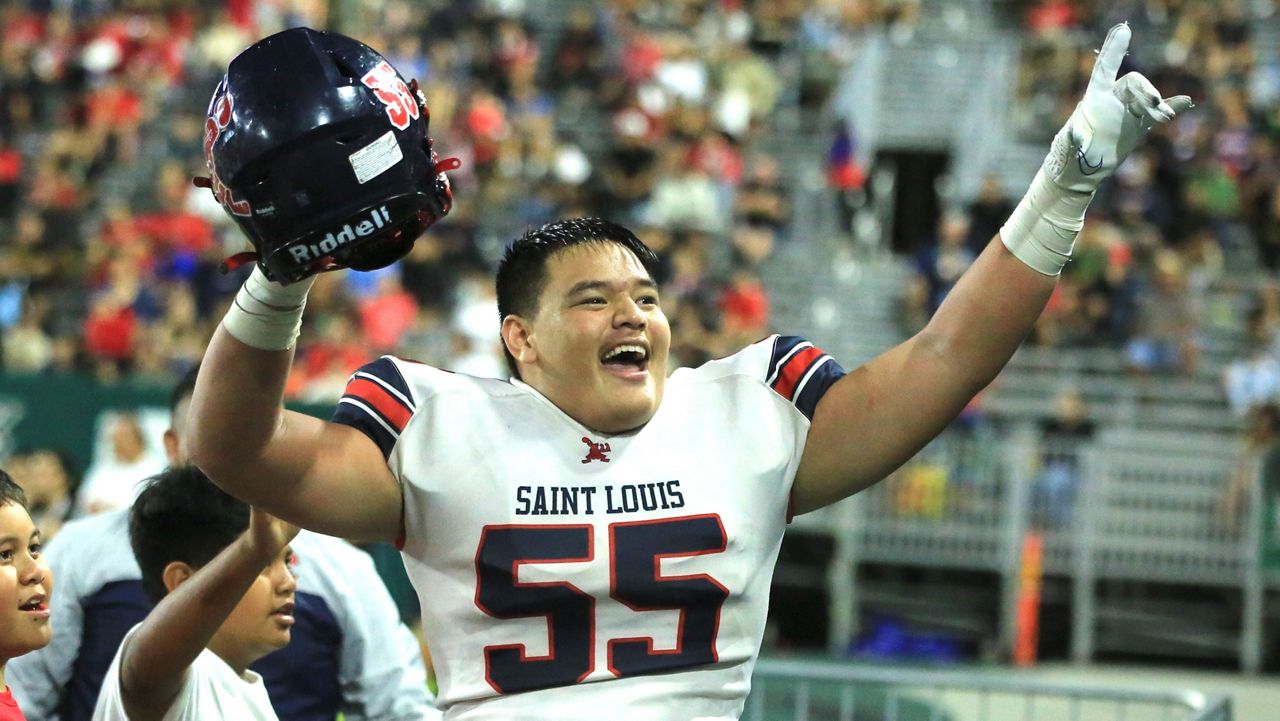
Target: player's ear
[[175, 574], [172, 447], [517, 334]]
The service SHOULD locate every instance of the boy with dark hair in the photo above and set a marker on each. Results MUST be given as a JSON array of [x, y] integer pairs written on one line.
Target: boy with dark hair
[[220, 575], [349, 652], [25, 586]]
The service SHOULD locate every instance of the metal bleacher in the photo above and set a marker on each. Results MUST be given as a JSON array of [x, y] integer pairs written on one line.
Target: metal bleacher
[[1140, 539], [1150, 565]]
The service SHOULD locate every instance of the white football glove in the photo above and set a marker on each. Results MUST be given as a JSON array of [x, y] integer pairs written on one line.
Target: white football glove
[[1104, 128], [1108, 123]]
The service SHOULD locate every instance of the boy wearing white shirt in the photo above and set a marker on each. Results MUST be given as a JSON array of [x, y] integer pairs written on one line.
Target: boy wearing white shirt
[[220, 573]]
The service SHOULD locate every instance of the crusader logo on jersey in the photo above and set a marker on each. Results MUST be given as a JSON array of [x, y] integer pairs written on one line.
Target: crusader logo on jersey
[[596, 451], [393, 92]]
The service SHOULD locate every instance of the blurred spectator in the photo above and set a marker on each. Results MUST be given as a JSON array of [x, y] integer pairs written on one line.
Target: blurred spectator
[[684, 195], [387, 314], [987, 213], [745, 307], [475, 320], [48, 480], [753, 243], [1062, 442], [749, 90], [761, 198], [27, 348], [940, 264], [1053, 17], [1259, 459], [1165, 340], [11, 168], [846, 176], [335, 350], [113, 481], [1254, 380], [577, 63]]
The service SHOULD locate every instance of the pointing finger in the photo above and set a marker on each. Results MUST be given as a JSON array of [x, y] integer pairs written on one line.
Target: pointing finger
[[1111, 55]]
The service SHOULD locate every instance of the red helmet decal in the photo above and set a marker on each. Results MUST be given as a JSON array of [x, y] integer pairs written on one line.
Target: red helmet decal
[[392, 92], [218, 120]]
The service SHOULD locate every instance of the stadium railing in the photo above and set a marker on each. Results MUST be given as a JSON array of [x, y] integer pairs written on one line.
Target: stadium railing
[[1125, 511], [796, 690]]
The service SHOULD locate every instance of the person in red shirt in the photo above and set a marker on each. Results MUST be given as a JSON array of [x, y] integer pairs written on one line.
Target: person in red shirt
[[25, 586]]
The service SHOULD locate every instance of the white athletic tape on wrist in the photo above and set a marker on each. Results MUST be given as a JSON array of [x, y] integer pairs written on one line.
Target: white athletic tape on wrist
[[1042, 230], [267, 315]]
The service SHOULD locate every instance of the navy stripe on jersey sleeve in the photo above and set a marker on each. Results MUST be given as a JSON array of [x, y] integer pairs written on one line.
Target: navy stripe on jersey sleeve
[[783, 347], [378, 403], [820, 378], [801, 372]]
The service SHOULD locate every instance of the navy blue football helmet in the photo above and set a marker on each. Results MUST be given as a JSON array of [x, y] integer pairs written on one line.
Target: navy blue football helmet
[[318, 149]]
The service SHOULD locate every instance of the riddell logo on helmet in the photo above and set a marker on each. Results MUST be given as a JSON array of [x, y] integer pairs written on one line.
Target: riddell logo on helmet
[[378, 219]]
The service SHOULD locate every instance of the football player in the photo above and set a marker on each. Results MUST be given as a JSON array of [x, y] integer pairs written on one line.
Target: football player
[[591, 537]]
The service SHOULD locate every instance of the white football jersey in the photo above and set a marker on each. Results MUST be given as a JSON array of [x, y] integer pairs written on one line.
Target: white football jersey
[[567, 574]]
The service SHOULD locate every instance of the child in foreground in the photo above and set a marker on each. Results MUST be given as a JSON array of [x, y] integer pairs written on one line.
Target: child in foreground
[[25, 586], [220, 574]]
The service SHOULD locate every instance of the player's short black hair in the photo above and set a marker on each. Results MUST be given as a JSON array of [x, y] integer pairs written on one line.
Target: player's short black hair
[[183, 389], [522, 273], [181, 516], [10, 491]]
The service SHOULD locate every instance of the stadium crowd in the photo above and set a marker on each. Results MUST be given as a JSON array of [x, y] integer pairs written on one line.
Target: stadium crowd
[[1196, 205], [648, 112], [642, 111]]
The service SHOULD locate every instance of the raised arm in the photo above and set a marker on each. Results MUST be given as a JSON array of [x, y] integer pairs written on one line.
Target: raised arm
[[320, 475], [283, 162], [156, 658], [874, 419]]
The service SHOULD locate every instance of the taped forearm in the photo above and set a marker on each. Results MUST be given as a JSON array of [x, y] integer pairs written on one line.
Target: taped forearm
[[267, 315], [1042, 230]]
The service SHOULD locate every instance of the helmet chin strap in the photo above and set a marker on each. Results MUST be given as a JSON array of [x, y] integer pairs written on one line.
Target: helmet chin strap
[[234, 261], [237, 260]]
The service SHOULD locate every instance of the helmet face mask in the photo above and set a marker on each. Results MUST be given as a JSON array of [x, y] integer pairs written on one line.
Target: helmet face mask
[[318, 150]]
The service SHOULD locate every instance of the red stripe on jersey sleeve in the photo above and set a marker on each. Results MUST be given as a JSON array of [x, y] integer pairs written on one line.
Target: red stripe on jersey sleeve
[[380, 400], [794, 370]]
